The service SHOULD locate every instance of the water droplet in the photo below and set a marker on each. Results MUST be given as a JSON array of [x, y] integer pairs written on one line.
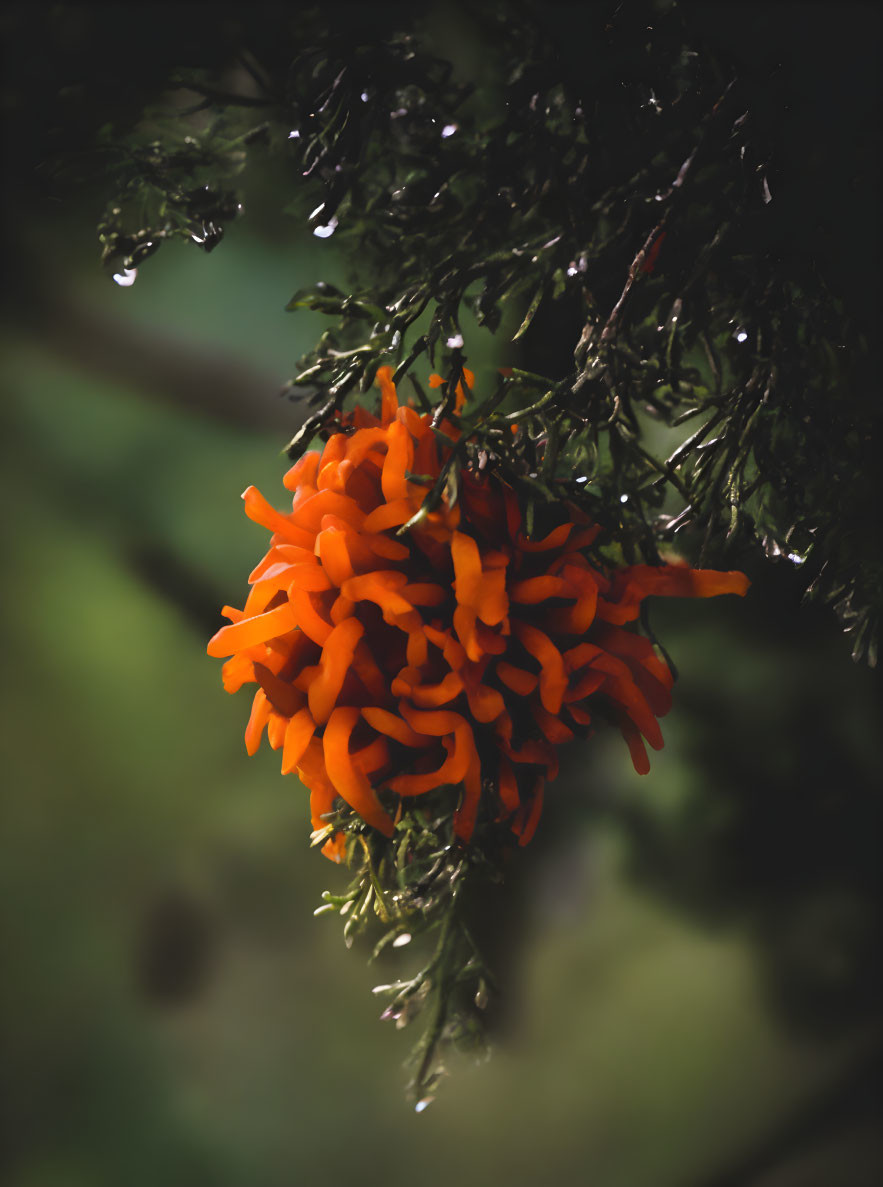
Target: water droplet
[[423, 1104], [327, 231], [126, 278], [623, 498], [448, 130], [455, 342], [400, 941], [654, 104]]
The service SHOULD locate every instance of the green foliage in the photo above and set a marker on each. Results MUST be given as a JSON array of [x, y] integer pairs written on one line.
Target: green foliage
[[620, 204], [170, 184], [422, 882]]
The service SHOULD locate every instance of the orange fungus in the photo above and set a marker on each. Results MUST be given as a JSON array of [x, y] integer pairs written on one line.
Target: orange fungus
[[460, 654]]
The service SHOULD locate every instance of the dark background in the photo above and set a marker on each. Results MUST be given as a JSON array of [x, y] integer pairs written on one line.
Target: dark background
[[692, 959]]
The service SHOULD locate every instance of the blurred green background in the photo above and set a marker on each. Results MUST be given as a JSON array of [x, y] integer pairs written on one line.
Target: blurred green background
[[691, 960]]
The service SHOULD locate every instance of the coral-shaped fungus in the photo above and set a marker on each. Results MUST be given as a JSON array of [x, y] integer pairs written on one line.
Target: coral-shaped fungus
[[459, 654]]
